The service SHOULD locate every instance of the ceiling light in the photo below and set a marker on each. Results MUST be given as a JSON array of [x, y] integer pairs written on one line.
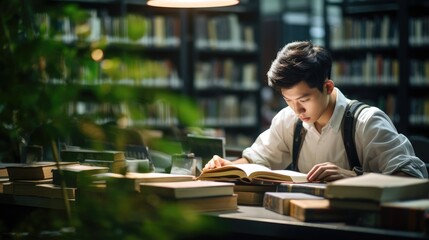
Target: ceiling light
[[191, 3]]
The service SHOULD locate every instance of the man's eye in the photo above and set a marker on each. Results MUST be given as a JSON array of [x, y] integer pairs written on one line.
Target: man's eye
[[304, 100]]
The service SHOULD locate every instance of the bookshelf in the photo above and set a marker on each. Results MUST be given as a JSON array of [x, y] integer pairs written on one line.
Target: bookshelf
[[162, 68], [378, 48], [226, 75]]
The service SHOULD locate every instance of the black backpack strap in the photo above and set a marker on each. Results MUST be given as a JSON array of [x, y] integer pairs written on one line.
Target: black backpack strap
[[348, 123], [298, 139]]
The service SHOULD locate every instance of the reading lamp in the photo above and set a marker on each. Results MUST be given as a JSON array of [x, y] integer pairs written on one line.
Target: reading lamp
[[191, 3]]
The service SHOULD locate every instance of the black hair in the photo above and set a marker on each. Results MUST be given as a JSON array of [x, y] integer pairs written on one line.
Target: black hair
[[300, 61]]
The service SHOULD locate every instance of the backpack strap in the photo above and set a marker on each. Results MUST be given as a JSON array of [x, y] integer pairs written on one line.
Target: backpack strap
[[348, 126], [298, 139]]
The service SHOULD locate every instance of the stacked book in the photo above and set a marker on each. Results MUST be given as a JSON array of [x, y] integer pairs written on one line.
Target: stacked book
[[4, 176], [384, 198], [114, 160], [35, 179], [252, 194], [201, 196]]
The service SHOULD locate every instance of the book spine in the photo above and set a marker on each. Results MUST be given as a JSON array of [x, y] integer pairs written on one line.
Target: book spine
[[276, 204], [410, 219], [80, 156], [317, 191]]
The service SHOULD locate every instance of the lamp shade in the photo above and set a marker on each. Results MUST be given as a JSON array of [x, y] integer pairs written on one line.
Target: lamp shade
[[191, 3]]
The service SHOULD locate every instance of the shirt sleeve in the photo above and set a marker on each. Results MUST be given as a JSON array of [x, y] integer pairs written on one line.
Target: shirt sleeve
[[272, 147], [382, 148]]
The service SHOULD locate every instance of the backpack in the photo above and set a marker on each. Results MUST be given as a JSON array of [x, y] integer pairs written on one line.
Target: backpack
[[348, 125]]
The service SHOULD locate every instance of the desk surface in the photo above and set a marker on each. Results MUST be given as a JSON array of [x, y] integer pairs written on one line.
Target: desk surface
[[258, 221]]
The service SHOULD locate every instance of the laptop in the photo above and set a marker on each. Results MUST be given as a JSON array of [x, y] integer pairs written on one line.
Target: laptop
[[205, 147]]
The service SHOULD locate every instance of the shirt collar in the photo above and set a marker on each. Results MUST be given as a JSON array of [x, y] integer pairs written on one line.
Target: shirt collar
[[340, 107], [337, 116]]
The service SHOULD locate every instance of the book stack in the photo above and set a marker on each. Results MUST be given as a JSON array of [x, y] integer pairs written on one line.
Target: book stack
[[35, 179], [114, 160], [252, 194], [4, 176], [201, 196], [369, 191], [279, 202], [365, 195], [76, 175]]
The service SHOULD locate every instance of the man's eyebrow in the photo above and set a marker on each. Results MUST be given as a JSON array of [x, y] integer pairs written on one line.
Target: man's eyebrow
[[302, 96]]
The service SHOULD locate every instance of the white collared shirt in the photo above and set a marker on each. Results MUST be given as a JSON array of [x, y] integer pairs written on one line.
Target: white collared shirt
[[380, 147]]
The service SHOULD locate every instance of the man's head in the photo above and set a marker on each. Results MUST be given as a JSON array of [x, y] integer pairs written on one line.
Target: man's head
[[301, 73], [300, 61]]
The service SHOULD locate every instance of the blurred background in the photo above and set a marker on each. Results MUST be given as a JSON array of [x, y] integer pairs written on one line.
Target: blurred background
[[72, 68]]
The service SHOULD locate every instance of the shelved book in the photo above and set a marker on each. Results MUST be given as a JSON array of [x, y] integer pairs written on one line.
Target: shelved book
[[187, 189], [279, 202], [251, 173], [370, 190]]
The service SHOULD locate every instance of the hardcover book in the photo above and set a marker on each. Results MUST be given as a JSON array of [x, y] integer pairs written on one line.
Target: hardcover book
[[412, 215], [79, 155], [76, 175], [24, 187], [54, 191], [3, 168], [131, 181], [33, 171], [244, 187], [252, 173], [250, 198], [188, 189], [378, 188], [252, 194], [317, 189], [355, 204], [279, 202], [315, 210], [208, 204], [2, 182], [117, 166]]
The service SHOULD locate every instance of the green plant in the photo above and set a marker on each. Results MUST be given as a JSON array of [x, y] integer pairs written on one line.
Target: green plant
[[29, 60]]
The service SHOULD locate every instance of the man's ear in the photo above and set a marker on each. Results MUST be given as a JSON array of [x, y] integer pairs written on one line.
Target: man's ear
[[329, 85]]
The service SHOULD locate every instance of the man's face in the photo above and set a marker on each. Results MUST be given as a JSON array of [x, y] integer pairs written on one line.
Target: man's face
[[309, 104]]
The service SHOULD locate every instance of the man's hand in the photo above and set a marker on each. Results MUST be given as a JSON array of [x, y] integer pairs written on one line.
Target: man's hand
[[327, 172], [216, 162]]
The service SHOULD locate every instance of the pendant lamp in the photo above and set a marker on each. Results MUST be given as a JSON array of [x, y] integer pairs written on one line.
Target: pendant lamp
[[191, 3]]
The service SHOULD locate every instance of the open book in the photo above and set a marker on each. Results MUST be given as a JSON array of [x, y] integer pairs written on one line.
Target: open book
[[251, 173]]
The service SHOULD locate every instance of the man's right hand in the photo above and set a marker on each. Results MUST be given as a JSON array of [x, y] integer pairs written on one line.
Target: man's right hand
[[216, 162]]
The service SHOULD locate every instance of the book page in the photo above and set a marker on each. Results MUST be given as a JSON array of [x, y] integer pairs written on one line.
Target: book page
[[280, 176], [246, 168]]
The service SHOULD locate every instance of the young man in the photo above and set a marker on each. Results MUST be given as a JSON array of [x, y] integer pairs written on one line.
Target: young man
[[301, 73]]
